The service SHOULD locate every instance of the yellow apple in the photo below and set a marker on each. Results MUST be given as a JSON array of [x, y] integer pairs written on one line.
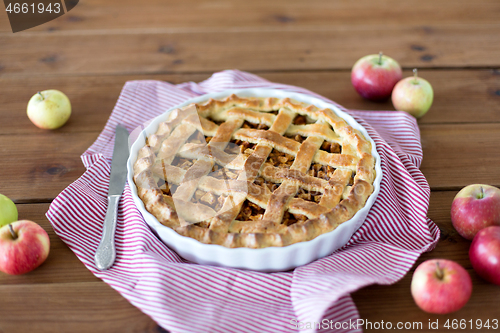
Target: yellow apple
[[49, 109], [413, 95]]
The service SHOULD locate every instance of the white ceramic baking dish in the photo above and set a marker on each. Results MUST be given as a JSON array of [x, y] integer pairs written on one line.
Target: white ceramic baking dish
[[266, 259]]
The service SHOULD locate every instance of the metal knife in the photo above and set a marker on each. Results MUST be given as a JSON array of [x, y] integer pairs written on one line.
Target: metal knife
[[106, 253]]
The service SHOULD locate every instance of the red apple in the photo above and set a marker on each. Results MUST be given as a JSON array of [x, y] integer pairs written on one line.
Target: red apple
[[24, 246], [374, 76], [475, 207], [484, 254], [413, 95], [440, 286]]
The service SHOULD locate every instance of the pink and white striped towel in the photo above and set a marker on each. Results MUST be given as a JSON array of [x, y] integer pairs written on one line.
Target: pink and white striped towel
[[185, 297]]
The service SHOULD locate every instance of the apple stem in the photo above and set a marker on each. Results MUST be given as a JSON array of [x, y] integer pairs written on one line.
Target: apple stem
[[380, 58], [12, 232], [439, 271], [481, 195], [415, 74], [43, 98]]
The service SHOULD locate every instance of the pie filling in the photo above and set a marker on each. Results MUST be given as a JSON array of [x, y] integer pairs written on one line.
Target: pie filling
[[263, 181]]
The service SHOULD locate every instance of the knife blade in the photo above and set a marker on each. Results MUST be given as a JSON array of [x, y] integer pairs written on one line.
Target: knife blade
[[106, 253]]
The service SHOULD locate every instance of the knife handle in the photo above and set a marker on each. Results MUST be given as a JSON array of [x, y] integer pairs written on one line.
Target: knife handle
[[106, 253]]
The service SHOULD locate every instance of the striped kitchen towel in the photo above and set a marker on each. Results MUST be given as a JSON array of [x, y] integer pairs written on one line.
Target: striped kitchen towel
[[185, 297]]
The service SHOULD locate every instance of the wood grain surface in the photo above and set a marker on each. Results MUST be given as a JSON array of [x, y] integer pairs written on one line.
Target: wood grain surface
[[93, 50], [462, 96], [189, 15], [207, 50]]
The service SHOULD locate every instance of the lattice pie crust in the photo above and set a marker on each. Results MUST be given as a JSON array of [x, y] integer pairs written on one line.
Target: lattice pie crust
[[254, 172]]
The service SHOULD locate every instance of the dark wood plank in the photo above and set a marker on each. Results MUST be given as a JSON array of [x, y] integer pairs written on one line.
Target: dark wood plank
[[69, 307], [38, 167], [461, 96], [461, 154], [140, 52], [195, 15], [395, 304]]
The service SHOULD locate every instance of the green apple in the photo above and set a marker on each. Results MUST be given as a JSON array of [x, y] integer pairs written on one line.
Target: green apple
[[413, 95], [49, 109], [8, 210]]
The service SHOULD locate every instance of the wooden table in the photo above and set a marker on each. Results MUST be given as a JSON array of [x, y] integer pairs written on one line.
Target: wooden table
[[90, 52]]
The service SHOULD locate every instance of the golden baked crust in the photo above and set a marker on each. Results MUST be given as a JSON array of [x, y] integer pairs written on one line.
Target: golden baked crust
[[266, 172]]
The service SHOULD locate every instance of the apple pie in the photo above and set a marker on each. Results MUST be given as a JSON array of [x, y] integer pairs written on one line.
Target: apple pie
[[254, 172]]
